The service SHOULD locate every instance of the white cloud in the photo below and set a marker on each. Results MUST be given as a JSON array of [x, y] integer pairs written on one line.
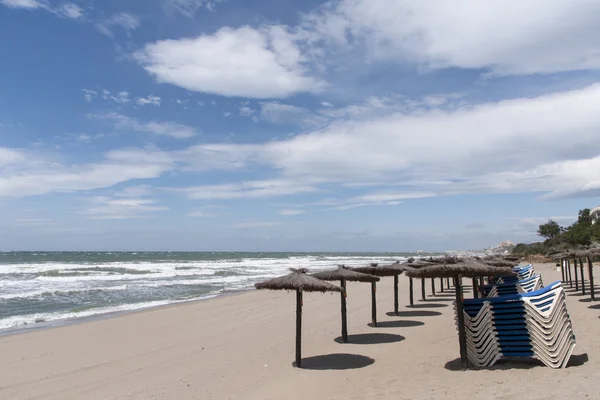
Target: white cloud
[[151, 99], [70, 10], [546, 144], [489, 148], [377, 199], [10, 156], [32, 221], [27, 4], [125, 21], [103, 207], [29, 173], [205, 212], [89, 94], [189, 8], [256, 224], [544, 35], [122, 122], [122, 97], [287, 114], [370, 108], [119, 98], [66, 10], [537, 221], [83, 138], [244, 62], [291, 212], [249, 189], [134, 191], [246, 111]]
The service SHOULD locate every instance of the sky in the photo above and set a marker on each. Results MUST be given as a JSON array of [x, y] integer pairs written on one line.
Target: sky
[[279, 125]]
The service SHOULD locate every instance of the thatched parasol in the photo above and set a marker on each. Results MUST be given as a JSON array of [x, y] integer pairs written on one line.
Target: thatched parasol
[[457, 268], [299, 281], [412, 264], [586, 254], [497, 262], [384, 270], [343, 274]]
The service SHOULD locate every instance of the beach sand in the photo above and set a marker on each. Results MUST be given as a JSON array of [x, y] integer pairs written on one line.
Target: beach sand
[[242, 347]]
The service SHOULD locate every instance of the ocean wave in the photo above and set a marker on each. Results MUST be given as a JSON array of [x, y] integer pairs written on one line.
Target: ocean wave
[[24, 320], [50, 292], [83, 286]]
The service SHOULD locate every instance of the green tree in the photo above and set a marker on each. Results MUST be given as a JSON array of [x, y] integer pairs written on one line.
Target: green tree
[[584, 217], [549, 230]]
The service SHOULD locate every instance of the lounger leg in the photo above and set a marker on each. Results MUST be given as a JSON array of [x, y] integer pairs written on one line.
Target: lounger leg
[[591, 273]]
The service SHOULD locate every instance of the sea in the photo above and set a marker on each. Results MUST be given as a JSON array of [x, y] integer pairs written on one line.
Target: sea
[[42, 288]]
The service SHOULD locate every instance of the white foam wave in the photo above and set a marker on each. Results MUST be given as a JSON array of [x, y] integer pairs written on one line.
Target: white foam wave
[[147, 276], [54, 291], [21, 320]]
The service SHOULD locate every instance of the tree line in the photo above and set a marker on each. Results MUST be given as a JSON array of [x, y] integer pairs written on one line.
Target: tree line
[[582, 232]]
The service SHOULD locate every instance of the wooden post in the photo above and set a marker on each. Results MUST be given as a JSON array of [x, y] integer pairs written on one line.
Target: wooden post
[[433, 286], [441, 284], [562, 270], [344, 311], [591, 273], [576, 277], [373, 304], [410, 286], [474, 281], [481, 287], [423, 289], [462, 335], [396, 294], [448, 282], [569, 273], [582, 276], [298, 328]]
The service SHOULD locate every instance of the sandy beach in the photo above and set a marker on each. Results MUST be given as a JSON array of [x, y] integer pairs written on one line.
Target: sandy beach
[[242, 347]]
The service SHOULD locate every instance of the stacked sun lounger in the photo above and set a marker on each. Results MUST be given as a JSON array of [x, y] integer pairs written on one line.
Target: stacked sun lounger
[[534, 324], [522, 286], [524, 272]]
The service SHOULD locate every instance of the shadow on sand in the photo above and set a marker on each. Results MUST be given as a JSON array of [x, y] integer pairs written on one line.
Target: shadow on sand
[[440, 298], [427, 305], [517, 363], [397, 324], [336, 361], [371, 338], [588, 300], [415, 313]]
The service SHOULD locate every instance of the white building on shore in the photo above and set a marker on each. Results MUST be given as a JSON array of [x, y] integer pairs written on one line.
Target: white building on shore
[[595, 214]]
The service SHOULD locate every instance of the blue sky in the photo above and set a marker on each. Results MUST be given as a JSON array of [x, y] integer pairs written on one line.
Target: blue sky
[[351, 125]]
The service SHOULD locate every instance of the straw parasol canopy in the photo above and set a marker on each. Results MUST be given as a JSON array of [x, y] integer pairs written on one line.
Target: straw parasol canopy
[[301, 282], [410, 264], [496, 262], [383, 270], [457, 268], [394, 270], [343, 274], [298, 280], [420, 263], [465, 268], [558, 255]]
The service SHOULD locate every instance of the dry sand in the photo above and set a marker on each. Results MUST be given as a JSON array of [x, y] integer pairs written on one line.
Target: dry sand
[[242, 347]]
